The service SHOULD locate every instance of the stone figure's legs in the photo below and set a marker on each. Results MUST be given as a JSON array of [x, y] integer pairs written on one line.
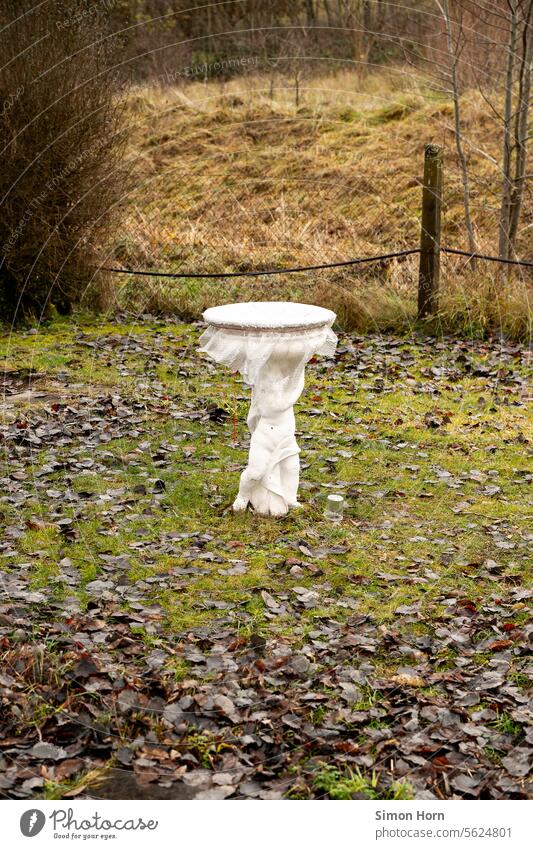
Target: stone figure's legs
[[257, 465], [290, 478], [270, 480]]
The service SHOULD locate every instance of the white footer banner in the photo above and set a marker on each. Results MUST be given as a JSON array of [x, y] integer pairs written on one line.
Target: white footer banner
[[258, 824]]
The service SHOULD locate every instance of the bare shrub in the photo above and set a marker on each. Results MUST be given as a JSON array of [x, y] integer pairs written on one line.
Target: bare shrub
[[61, 174]]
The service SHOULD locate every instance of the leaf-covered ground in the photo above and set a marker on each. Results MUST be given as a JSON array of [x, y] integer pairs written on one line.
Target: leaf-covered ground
[[155, 644]]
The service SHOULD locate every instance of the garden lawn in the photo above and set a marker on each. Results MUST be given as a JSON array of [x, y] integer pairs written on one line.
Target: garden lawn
[[156, 644]]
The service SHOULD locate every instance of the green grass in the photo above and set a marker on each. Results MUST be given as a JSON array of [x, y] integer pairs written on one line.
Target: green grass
[[396, 456], [349, 784]]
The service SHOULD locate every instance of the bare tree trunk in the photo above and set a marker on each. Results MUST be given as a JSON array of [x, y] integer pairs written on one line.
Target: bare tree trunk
[[368, 29], [329, 15], [453, 55], [521, 126], [505, 206], [380, 16], [310, 12]]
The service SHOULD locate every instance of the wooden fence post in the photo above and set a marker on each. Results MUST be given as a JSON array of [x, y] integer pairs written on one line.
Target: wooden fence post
[[429, 270]]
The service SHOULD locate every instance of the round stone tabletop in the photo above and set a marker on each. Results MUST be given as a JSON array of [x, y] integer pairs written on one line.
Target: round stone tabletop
[[269, 315]]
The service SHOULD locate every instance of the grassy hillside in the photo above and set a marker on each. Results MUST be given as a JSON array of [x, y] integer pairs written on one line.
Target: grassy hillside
[[237, 176]]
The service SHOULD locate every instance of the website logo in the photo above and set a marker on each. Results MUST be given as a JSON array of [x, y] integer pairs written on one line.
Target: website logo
[[32, 822]]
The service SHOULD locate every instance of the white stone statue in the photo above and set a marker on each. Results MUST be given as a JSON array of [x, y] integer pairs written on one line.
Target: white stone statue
[[269, 343]]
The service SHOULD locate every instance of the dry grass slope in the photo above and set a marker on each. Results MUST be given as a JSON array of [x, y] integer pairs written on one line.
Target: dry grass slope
[[234, 176]]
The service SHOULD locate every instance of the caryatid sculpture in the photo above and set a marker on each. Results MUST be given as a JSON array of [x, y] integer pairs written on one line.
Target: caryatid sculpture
[[270, 344]]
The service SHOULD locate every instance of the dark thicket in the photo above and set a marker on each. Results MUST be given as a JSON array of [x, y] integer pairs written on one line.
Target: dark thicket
[[61, 152], [177, 40]]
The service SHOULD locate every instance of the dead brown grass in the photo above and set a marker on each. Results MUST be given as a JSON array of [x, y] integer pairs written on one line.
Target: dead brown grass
[[230, 178]]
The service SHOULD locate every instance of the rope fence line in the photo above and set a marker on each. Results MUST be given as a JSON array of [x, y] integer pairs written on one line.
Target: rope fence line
[[293, 270], [528, 263], [296, 269]]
